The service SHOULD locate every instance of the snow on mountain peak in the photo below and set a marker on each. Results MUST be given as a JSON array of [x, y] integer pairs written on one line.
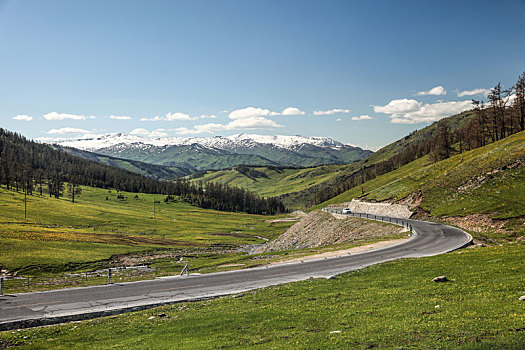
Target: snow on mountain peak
[[94, 143], [286, 141]]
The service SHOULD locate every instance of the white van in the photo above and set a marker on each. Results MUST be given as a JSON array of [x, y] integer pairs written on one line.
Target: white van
[[347, 211]]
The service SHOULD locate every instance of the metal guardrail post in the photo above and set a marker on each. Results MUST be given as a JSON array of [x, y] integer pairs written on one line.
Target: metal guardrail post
[[1, 286], [27, 281], [109, 276]]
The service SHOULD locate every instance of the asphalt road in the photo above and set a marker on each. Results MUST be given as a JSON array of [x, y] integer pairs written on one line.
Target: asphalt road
[[40, 308]]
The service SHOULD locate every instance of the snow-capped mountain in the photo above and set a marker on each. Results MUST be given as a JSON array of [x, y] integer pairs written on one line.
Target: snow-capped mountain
[[221, 152], [220, 142]]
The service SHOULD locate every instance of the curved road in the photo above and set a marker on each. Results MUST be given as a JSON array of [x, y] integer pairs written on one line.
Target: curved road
[[40, 308]]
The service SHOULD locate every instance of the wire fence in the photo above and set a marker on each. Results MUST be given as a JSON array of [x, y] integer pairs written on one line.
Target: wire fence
[[21, 284]]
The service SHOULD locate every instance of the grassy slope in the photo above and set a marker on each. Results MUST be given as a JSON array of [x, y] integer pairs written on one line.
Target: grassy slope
[[501, 195], [277, 182], [58, 232], [392, 305]]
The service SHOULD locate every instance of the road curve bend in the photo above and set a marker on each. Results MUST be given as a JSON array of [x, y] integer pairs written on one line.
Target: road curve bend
[[72, 304]]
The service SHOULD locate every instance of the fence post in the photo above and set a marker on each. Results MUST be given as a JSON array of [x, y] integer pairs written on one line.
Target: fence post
[[27, 281], [1, 286], [86, 276], [109, 275], [185, 268]]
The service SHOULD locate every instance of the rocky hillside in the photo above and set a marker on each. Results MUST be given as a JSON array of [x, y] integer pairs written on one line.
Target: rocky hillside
[[319, 229]]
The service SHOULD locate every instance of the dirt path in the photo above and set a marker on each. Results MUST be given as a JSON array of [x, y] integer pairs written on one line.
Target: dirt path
[[354, 250]]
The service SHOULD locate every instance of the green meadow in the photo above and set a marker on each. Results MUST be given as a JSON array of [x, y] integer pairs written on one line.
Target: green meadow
[[59, 235]]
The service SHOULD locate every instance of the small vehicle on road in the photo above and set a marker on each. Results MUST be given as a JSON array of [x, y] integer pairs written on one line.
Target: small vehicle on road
[[347, 211]]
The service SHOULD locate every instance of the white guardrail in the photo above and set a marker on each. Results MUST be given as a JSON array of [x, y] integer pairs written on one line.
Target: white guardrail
[[394, 221]]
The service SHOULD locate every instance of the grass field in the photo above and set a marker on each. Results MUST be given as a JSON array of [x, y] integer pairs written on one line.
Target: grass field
[[59, 235], [393, 306]]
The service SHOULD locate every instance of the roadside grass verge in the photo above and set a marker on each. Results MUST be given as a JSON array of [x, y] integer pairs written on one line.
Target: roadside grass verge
[[393, 305]]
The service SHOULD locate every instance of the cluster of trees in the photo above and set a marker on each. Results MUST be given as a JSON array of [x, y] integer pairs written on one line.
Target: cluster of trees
[[219, 196], [28, 166], [250, 172], [501, 116]]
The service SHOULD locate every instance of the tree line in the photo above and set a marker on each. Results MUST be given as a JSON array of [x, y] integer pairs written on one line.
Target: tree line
[[502, 115], [29, 166]]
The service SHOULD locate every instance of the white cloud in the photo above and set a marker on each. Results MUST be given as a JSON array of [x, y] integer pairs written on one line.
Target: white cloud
[[23, 117], [253, 123], [119, 117], [200, 129], [205, 116], [436, 91], [68, 130], [242, 119], [178, 116], [362, 117], [292, 111], [168, 117], [62, 116], [431, 112], [474, 92], [237, 124], [139, 131], [251, 112], [398, 106], [153, 133], [332, 111]]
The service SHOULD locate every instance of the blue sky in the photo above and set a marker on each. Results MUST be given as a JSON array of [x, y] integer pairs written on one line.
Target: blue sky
[[362, 72]]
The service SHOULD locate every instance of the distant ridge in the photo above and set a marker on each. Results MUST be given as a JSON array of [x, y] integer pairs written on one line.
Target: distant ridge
[[201, 153], [221, 142]]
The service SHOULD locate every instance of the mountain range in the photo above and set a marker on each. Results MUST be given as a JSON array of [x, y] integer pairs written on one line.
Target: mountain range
[[202, 153]]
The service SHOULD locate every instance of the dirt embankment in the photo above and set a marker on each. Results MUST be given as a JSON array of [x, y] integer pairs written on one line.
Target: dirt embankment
[[319, 228]]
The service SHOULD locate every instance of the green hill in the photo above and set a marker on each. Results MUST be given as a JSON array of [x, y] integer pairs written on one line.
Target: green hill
[[271, 181], [487, 181]]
